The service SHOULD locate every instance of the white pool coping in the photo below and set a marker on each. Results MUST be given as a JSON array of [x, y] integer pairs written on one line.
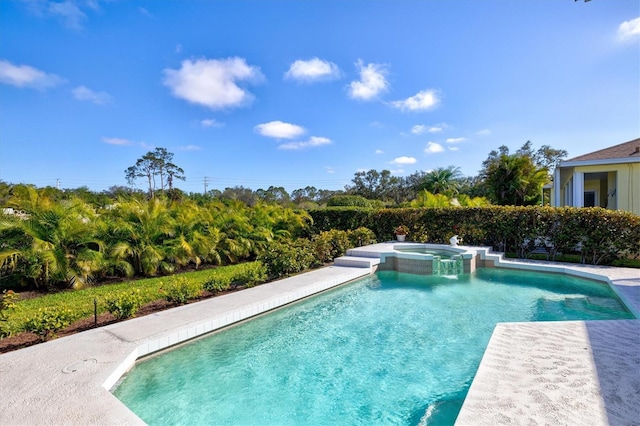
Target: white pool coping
[[67, 380]]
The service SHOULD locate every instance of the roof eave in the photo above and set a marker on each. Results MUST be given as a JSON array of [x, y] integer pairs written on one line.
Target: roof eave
[[598, 162]]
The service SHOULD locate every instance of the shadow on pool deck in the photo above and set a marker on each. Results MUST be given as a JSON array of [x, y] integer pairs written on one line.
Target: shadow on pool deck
[[615, 348]]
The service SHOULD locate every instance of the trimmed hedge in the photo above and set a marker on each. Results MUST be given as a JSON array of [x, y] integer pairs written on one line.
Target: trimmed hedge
[[599, 235]]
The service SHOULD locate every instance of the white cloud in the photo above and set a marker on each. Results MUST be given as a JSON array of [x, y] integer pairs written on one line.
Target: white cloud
[[83, 93], [403, 160], [423, 100], [629, 29], [433, 148], [212, 82], [419, 129], [484, 132], [26, 76], [379, 151], [372, 81], [454, 148], [312, 70], [312, 142], [69, 12], [189, 148], [117, 141], [329, 170], [93, 4], [211, 122], [456, 140], [280, 130], [145, 12]]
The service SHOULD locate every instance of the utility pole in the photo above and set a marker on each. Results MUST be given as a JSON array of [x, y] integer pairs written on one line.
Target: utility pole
[[205, 186]]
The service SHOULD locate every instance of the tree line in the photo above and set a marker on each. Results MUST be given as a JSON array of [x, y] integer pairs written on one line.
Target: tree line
[[504, 179]]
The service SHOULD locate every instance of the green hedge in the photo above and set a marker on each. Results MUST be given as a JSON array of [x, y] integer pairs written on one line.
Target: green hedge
[[598, 235]]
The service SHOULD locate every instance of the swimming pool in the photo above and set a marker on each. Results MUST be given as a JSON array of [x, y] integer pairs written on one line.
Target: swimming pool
[[390, 349]]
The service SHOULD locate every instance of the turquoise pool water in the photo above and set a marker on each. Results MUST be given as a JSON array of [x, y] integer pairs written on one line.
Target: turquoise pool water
[[394, 348]]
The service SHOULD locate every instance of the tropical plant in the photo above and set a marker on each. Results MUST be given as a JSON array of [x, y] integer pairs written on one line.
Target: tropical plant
[[517, 179], [427, 199], [55, 243], [464, 200], [138, 232], [514, 180], [442, 181]]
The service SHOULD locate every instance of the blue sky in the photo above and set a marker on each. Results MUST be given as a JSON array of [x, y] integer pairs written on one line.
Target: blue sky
[[307, 93]]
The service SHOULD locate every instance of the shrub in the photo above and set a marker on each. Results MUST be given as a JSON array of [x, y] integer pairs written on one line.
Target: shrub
[[330, 244], [252, 274], [361, 237], [246, 274], [348, 201], [343, 218], [48, 321], [281, 259], [217, 284], [7, 303], [124, 305], [180, 290]]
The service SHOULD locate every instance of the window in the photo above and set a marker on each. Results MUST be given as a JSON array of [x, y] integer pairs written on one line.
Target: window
[[590, 199]]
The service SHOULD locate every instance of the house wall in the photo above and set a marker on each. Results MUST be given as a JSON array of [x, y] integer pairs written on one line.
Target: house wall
[[634, 187], [627, 184], [624, 178], [612, 200]]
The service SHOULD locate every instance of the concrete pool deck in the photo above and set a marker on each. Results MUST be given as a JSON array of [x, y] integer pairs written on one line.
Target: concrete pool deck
[[557, 372]]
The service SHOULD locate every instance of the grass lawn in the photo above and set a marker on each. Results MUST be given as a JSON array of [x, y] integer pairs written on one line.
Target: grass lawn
[[81, 302]]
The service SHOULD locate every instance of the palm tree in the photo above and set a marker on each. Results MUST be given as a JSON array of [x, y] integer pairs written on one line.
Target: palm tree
[[237, 234], [466, 201], [138, 232], [59, 243], [427, 199], [195, 239], [514, 180], [442, 181]]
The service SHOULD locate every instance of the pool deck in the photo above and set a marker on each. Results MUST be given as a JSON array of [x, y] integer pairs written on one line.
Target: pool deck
[[532, 373]]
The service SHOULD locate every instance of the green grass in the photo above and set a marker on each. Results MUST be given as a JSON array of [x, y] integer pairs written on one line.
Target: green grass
[[81, 302]]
